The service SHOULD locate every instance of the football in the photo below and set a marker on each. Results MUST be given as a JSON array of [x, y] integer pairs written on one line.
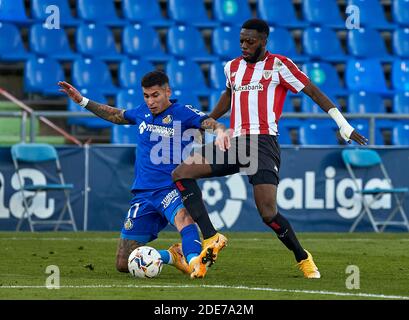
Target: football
[[145, 262]]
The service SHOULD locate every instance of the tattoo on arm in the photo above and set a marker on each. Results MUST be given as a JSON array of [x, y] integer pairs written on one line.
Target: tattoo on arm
[[108, 113]]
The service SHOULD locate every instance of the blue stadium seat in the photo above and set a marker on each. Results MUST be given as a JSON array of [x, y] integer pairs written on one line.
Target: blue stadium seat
[[187, 97], [96, 40], [325, 76], [322, 43], [214, 98], [365, 102], [145, 12], [217, 78], [129, 98], [187, 75], [400, 12], [318, 132], [13, 11], [401, 42], [231, 12], [11, 45], [401, 103], [362, 126], [280, 41], [309, 106], [371, 14], [41, 76], [400, 135], [400, 75], [279, 13], [366, 75], [186, 42], [39, 11], [142, 41], [285, 127], [93, 123], [124, 134], [99, 11], [93, 73], [51, 43], [367, 43], [131, 72], [190, 12], [323, 13], [288, 105], [226, 42]]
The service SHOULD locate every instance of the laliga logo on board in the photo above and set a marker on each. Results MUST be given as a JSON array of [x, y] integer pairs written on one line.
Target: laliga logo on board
[[230, 212]]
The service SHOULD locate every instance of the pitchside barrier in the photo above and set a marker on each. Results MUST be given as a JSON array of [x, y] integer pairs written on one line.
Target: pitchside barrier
[[315, 191]]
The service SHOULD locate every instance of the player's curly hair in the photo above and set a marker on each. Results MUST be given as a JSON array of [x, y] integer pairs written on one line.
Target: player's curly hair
[[154, 78], [257, 24]]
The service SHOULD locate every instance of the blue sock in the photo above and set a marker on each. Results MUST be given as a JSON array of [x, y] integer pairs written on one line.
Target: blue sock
[[165, 256], [191, 244]]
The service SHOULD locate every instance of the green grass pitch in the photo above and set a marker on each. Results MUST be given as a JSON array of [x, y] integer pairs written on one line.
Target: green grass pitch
[[253, 266]]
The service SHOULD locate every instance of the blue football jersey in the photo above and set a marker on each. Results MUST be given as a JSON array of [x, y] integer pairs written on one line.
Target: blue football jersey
[[163, 142]]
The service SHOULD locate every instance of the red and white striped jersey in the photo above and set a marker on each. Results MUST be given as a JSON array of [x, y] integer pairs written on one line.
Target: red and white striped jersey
[[259, 90]]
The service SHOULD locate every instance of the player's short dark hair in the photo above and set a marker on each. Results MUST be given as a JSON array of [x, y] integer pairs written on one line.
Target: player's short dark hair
[[154, 78], [257, 24]]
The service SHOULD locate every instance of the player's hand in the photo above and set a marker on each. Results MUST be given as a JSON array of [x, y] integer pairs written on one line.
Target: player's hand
[[348, 133], [358, 138], [68, 89], [222, 139]]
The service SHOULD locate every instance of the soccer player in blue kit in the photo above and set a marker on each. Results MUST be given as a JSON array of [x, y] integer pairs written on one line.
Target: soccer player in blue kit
[[161, 121]]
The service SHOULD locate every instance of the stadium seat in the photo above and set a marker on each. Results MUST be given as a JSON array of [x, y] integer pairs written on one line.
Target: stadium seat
[[231, 12], [309, 106], [129, 98], [190, 12], [371, 14], [322, 43], [131, 72], [89, 122], [99, 11], [400, 12], [51, 43], [44, 157], [280, 41], [11, 45], [365, 102], [187, 97], [323, 13], [93, 73], [361, 125], [288, 130], [142, 41], [145, 12], [226, 42], [401, 103], [400, 42], [96, 40], [288, 105], [41, 76], [217, 78], [400, 135], [40, 13], [400, 75], [358, 163], [279, 13], [366, 75], [318, 132], [214, 98], [186, 42], [13, 11], [367, 43], [187, 75], [124, 134], [325, 76]]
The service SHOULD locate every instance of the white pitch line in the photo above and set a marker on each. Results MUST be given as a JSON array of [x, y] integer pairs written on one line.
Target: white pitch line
[[315, 292]]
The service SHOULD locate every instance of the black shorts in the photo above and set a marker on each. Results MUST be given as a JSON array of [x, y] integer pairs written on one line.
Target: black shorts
[[257, 156]]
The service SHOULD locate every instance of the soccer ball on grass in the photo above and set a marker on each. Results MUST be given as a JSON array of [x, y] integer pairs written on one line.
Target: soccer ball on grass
[[145, 262]]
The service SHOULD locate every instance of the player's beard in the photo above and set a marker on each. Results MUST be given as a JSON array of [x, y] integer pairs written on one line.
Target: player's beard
[[255, 56]]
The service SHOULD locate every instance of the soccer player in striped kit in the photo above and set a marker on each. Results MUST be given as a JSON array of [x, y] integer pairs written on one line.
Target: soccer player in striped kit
[[256, 87]]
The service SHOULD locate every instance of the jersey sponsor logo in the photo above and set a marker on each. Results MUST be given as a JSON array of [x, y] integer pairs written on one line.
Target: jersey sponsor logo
[[168, 119], [142, 127], [170, 198], [249, 87], [267, 74], [153, 128]]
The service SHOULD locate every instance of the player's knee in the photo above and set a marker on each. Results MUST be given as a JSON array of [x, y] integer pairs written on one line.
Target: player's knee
[[179, 173], [267, 210]]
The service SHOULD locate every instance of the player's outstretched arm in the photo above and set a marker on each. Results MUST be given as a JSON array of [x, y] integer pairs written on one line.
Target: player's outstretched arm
[[222, 106], [101, 110], [347, 132]]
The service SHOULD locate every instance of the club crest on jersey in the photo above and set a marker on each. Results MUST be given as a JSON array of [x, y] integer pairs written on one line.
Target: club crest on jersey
[[168, 119], [267, 74], [128, 224]]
